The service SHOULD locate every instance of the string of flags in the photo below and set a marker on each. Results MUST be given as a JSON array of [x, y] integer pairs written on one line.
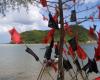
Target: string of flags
[[16, 38], [91, 65], [74, 49]]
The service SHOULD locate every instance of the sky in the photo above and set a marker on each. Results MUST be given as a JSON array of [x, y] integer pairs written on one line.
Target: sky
[[33, 20]]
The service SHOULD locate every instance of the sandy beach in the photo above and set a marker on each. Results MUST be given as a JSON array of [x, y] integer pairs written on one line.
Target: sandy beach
[[16, 64]]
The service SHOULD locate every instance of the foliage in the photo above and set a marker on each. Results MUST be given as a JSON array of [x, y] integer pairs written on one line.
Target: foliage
[[36, 36], [6, 5]]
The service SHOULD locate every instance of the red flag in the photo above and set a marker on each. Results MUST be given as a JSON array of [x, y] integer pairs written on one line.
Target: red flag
[[99, 12], [11, 31], [68, 29], [97, 54], [81, 53], [66, 26], [73, 43], [91, 31], [98, 78], [51, 32], [70, 32], [15, 36], [91, 18], [45, 39], [71, 52], [43, 2], [49, 36], [55, 18], [98, 36]]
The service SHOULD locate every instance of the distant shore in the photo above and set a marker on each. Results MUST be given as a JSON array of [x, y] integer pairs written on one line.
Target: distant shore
[[89, 42], [83, 43]]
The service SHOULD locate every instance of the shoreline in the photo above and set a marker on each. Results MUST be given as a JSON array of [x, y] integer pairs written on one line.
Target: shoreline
[[88, 42]]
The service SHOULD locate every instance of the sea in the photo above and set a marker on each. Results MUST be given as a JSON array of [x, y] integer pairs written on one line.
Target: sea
[[16, 64]]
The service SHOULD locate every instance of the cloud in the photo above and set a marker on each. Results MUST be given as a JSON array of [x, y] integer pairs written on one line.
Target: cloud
[[23, 20]]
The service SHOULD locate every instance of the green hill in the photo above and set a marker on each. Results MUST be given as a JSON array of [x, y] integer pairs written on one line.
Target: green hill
[[36, 36]]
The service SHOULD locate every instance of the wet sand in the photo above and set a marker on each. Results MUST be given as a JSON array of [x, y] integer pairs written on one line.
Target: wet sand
[[45, 75]]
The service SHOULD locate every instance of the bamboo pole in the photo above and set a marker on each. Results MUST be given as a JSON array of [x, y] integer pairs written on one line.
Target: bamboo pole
[[75, 64], [41, 64], [60, 64]]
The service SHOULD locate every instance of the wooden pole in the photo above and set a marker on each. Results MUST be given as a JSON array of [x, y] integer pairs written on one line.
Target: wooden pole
[[60, 61]]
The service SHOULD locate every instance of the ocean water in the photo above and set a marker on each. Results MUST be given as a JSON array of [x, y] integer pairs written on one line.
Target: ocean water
[[16, 64]]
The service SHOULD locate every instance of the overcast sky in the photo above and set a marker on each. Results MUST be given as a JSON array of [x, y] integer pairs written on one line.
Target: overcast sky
[[24, 21]]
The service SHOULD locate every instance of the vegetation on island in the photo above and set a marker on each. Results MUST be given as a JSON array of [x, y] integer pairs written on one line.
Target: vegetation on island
[[36, 36]]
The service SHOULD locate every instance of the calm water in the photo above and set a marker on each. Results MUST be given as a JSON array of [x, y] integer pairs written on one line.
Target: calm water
[[16, 64]]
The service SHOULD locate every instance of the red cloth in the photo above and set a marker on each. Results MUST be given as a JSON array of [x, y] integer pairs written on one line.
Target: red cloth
[[98, 78], [98, 35], [71, 52], [43, 2], [49, 36], [45, 39], [55, 18], [56, 46], [81, 53], [97, 54], [91, 31], [68, 29], [15, 36], [66, 26], [91, 17]]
